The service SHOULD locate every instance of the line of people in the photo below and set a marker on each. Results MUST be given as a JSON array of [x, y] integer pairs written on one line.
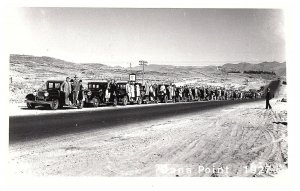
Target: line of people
[[73, 90], [204, 93]]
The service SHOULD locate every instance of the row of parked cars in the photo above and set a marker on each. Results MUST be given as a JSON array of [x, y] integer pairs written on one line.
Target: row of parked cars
[[96, 94], [100, 93]]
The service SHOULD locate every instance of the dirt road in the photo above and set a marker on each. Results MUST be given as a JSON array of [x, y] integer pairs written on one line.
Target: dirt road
[[240, 138]]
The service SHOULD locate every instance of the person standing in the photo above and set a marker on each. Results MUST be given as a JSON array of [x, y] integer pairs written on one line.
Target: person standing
[[128, 93], [76, 89], [268, 97], [147, 90], [113, 89], [151, 92], [67, 89], [80, 94]]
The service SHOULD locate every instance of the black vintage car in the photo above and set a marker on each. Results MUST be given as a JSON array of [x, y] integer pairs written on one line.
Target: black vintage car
[[178, 94], [195, 93], [50, 96], [150, 97], [166, 93], [98, 94], [128, 92], [187, 94], [251, 94]]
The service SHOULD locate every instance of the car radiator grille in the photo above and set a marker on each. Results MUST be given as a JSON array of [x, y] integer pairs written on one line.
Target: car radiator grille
[[40, 96]]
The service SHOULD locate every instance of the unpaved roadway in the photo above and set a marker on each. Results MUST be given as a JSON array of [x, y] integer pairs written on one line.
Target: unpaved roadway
[[237, 137]]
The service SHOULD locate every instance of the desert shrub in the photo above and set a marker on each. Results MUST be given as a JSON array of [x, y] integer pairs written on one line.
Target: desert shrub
[[259, 72]]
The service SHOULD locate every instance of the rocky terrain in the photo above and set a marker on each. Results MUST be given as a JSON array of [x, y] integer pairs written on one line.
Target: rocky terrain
[[30, 72]]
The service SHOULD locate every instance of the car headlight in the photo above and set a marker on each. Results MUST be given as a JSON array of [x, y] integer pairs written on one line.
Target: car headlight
[[46, 94], [89, 93], [34, 93]]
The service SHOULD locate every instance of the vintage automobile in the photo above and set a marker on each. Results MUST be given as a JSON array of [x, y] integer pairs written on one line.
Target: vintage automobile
[[195, 93], [187, 95], [128, 92], [98, 94], [166, 93], [50, 96], [251, 94], [150, 97], [179, 94]]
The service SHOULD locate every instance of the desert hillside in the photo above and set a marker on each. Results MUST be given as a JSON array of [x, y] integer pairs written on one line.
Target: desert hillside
[[276, 67], [29, 72]]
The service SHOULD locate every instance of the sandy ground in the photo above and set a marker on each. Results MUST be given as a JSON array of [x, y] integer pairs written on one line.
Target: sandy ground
[[239, 140]]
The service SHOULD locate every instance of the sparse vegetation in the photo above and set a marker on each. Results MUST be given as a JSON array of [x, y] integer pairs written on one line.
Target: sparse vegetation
[[30, 72], [233, 71], [259, 72]]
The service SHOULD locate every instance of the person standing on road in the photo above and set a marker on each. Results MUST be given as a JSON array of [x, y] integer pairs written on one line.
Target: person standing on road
[[80, 93], [147, 89], [113, 89], [268, 97], [67, 89], [76, 89]]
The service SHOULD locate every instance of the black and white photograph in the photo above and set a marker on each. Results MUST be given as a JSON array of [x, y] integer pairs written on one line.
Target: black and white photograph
[[147, 92]]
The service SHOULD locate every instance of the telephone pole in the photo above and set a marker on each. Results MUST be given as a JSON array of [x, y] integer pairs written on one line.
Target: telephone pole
[[143, 63], [130, 67]]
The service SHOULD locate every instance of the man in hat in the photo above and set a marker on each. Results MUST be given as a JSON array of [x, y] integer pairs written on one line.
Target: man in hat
[[67, 89], [76, 88], [268, 97], [113, 89]]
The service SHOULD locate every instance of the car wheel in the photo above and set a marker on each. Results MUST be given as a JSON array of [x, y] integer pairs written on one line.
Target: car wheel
[[115, 103], [165, 99], [30, 105], [147, 100], [95, 102], [80, 105], [139, 102], [125, 100], [54, 105]]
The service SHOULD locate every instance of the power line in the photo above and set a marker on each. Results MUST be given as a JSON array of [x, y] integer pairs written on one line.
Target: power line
[[143, 63]]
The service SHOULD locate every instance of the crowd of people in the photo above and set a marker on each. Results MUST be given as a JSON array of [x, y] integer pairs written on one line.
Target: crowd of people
[[73, 91], [201, 92]]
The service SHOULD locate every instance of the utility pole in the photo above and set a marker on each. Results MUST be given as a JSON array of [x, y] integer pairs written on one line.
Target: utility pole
[[143, 63], [130, 67]]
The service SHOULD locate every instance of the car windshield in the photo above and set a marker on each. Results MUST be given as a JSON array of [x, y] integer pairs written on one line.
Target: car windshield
[[97, 86], [121, 86], [93, 86], [53, 85]]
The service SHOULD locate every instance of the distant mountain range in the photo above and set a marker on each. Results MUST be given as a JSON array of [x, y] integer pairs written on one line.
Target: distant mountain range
[[278, 67], [49, 62]]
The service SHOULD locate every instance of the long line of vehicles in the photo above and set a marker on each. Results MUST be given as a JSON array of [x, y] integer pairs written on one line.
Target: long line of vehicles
[[100, 93]]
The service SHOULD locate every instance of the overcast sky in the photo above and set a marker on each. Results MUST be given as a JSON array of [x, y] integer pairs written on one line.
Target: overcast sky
[[160, 36]]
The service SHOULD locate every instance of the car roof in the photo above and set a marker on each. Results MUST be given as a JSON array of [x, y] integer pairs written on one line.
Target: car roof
[[60, 81], [100, 82], [122, 82]]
